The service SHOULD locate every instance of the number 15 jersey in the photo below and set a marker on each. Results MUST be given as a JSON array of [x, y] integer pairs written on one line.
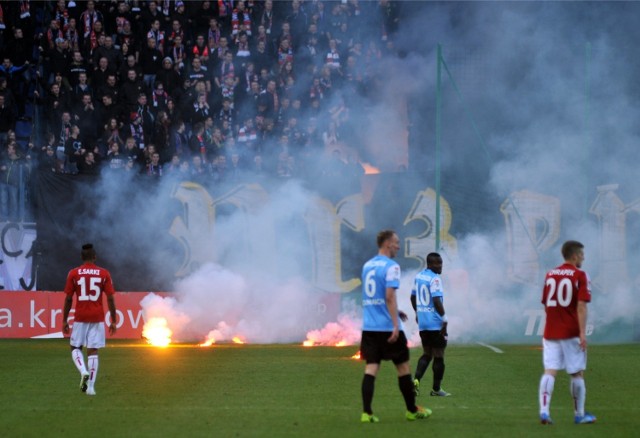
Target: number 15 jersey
[[88, 282], [564, 286]]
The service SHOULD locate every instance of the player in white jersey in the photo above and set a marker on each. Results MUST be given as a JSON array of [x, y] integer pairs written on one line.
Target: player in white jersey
[[427, 300]]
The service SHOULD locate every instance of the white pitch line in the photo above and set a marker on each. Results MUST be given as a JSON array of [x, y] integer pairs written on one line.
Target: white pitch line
[[491, 347]]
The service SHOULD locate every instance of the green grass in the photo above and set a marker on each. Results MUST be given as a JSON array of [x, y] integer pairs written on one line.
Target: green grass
[[287, 390]]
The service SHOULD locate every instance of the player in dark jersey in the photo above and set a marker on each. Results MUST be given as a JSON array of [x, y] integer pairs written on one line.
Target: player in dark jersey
[[88, 282], [383, 336], [565, 296]]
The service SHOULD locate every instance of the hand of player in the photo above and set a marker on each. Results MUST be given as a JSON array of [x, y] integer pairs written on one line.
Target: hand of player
[[112, 328], [394, 335], [583, 343], [403, 316], [65, 328], [443, 330]]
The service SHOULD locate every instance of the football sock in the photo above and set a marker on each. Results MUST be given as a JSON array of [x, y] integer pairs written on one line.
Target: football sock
[[438, 372], [544, 393], [93, 369], [78, 360], [423, 364], [406, 388], [579, 394], [368, 384]]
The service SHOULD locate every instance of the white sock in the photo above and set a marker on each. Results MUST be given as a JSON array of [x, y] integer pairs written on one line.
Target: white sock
[[93, 370], [579, 394], [544, 393], [78, 360]]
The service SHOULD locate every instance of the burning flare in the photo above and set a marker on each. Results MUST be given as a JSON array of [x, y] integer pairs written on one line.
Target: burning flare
[[357, 356], [157, 332]]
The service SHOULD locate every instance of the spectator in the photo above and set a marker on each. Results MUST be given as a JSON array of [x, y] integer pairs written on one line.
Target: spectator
[[179, 143], [112, 134], [154, 167], [150, 62], [200, 50], [87, 120], [88, 18], [100, 73], [74, 150], [198, 72], [200, 171], [200, 110], [134, 130], [131, 89], [13, 172], [87, 164], [168, 76], [7, 120], [15, 77], [76, 66]]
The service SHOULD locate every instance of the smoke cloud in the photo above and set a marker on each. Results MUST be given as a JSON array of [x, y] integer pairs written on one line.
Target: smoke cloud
[[544, 100]]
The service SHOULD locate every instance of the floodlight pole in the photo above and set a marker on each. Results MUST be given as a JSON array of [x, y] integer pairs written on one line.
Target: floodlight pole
[[438, 142]]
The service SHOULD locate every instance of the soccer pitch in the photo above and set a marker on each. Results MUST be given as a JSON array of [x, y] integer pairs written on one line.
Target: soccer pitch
[[288, 390]]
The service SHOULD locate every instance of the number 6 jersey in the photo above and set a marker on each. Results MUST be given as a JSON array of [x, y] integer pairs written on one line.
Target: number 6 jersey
[[88, 282], [564, 286]]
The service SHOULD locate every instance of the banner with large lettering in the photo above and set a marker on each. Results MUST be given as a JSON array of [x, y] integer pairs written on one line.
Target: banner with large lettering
[[496, 252], [39, 315]]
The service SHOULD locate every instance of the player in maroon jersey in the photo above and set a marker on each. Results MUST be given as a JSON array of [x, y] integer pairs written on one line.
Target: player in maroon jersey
[[565, 296], [88, 282]]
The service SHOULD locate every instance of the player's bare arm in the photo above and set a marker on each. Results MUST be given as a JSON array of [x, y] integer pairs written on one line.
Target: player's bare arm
[[111, 302], [582, 322], [414, 304], [68, 301], [392, 306], [439, 306]]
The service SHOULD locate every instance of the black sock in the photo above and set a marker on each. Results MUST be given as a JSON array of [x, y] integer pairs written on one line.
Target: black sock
[[368, 384], [438, 372], [406, 388], [423, 364]]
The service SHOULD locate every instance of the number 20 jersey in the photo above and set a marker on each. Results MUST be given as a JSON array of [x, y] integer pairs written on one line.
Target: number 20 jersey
[[88, 282], [378, 274], [564, 286]]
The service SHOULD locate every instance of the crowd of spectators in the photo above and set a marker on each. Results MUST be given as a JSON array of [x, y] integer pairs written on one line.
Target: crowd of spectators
[[208, 91]]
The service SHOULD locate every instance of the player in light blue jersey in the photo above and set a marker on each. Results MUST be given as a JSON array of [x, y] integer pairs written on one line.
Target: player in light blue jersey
[[427, 300], [383, 336]]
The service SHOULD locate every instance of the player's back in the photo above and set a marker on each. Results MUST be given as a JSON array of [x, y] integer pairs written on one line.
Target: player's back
[[427, 285], [564, 286], [378, 274], [88, 282]]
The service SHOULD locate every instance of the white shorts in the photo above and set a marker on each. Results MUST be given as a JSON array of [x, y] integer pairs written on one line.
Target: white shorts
[[89, 334], [563, 354]]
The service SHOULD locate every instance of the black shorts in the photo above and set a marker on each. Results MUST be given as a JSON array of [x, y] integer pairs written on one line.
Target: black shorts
[[433, 339], [374, 347]]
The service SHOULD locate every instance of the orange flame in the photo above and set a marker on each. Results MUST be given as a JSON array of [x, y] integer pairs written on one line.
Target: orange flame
[[237, 340], [308, 343], [208, 343], [356, 356], [341, 343], [370, 169], [157, 332]]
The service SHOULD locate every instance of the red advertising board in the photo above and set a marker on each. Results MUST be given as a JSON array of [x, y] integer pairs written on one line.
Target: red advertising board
[[39, 314]]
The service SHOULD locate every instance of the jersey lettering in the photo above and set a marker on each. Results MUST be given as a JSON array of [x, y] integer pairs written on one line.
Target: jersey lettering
[[94, 289], [370, 283], [564, 292]]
